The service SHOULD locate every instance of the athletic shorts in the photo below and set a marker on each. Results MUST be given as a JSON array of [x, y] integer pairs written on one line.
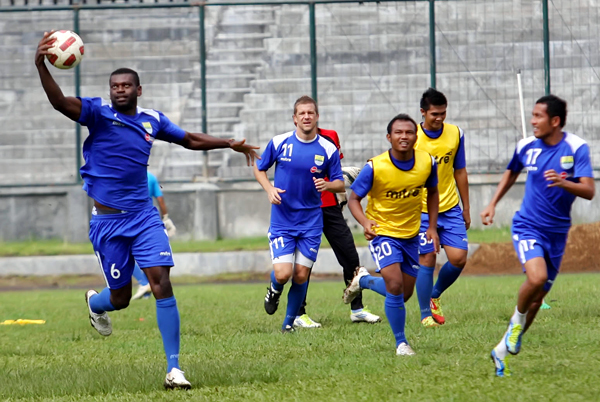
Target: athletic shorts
[[451, 230], [121, 239], [284, 241], [391, 250], [531, 243]]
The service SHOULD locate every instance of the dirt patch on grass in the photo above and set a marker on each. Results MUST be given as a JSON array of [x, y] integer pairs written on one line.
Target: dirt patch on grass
[[581, 254]]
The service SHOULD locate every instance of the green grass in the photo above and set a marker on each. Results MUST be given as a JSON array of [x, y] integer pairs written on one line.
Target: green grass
[[58, 247], [233, 351]]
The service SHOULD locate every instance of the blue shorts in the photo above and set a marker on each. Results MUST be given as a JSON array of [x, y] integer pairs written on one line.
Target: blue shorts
[[451, 230], [120, 240], [531, 243], [283, 241], [390, 250]]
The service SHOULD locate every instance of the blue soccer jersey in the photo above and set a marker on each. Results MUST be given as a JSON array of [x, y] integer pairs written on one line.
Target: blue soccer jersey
[[117, 150], [544, 207], [297, 163]]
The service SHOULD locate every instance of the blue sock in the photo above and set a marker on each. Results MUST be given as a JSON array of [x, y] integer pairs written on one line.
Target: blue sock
[[167, 316], [276, 285], [375, 283], [447, 276], [101, 302], [296, 296], [396, 315], [139, 275], [424, 287]]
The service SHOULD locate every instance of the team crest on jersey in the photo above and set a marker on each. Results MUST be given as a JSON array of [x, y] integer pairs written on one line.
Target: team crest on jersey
[[319, 160], [148, 127], [567, 162]]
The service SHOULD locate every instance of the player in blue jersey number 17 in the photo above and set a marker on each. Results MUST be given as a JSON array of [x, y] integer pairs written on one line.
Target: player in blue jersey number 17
[[125, 227], [302, 160], [394, 182], [558, 170]]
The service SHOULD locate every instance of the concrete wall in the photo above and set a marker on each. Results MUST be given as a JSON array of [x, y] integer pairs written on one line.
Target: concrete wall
[[206, 211]]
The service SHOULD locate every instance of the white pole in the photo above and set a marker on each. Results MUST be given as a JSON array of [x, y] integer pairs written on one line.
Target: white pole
[[523, 124]]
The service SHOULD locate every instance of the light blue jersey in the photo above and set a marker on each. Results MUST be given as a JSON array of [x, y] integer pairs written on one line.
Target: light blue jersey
[[543, 207], [117, 151], [153, 186], [297, 163]]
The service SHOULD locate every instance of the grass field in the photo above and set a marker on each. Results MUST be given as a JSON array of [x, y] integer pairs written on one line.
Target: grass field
[[58, 247], [233, 351]]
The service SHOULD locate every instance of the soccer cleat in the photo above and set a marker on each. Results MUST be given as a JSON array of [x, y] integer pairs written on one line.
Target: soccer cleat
[[436, 311], [176, 380], [364, 316], [404, 349], [100, 322], [513, 338], [353, 289], [288, 330], [271, 300], [142, 291], [545, 306], [304, 321], [429, 322], [501, 364]]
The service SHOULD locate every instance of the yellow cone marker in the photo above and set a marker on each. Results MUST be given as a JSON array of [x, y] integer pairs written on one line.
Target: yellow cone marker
[[22, 321]]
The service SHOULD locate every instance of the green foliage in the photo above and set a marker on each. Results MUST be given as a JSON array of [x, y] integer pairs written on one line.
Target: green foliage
[[232, 350], [58, 247]]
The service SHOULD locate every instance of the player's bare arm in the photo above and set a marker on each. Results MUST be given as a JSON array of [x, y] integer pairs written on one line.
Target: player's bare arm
[[433, 206], [462, 183], [336, 186], [205, 142], [358, 213], [67, 105], [584, 189], [265, 183], [506, 182]]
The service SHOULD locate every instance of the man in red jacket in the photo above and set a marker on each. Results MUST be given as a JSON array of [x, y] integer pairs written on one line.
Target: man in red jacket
[[340, 238]]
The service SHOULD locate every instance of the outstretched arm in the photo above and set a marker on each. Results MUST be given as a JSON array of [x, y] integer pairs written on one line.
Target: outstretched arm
[[67, 105], [506, 182], [205, 142]]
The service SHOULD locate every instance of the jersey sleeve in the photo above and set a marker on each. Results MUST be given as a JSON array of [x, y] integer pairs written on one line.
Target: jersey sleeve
[[364, 181], [515, 164], [268, 157], [460, 161], [334, 168], [432, 180], [89, 106], [169, 131], [583, 163], [154, 187]]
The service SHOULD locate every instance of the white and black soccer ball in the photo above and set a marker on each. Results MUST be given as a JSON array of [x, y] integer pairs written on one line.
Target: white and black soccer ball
[[350, 174], [67, 51]]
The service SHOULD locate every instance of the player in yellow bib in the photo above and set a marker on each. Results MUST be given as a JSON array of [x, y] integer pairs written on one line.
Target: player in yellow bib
[[445, 142], [394, 182]]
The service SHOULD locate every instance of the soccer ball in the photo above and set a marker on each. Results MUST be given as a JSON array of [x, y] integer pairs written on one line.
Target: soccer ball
[[350, 174], [67, 51]]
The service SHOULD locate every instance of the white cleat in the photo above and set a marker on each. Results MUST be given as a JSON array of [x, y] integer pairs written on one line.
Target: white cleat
[[176, 380], [364, 316], [142, 291], [353, 288], [404, 349], [304, 321], [100, 322]]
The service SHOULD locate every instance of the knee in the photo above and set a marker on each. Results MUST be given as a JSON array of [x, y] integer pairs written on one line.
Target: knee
[[539, 280], [301, 276], [282, 277], [427, 260], [162, 289], [394, 287], [459, 261], [119, 303]]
